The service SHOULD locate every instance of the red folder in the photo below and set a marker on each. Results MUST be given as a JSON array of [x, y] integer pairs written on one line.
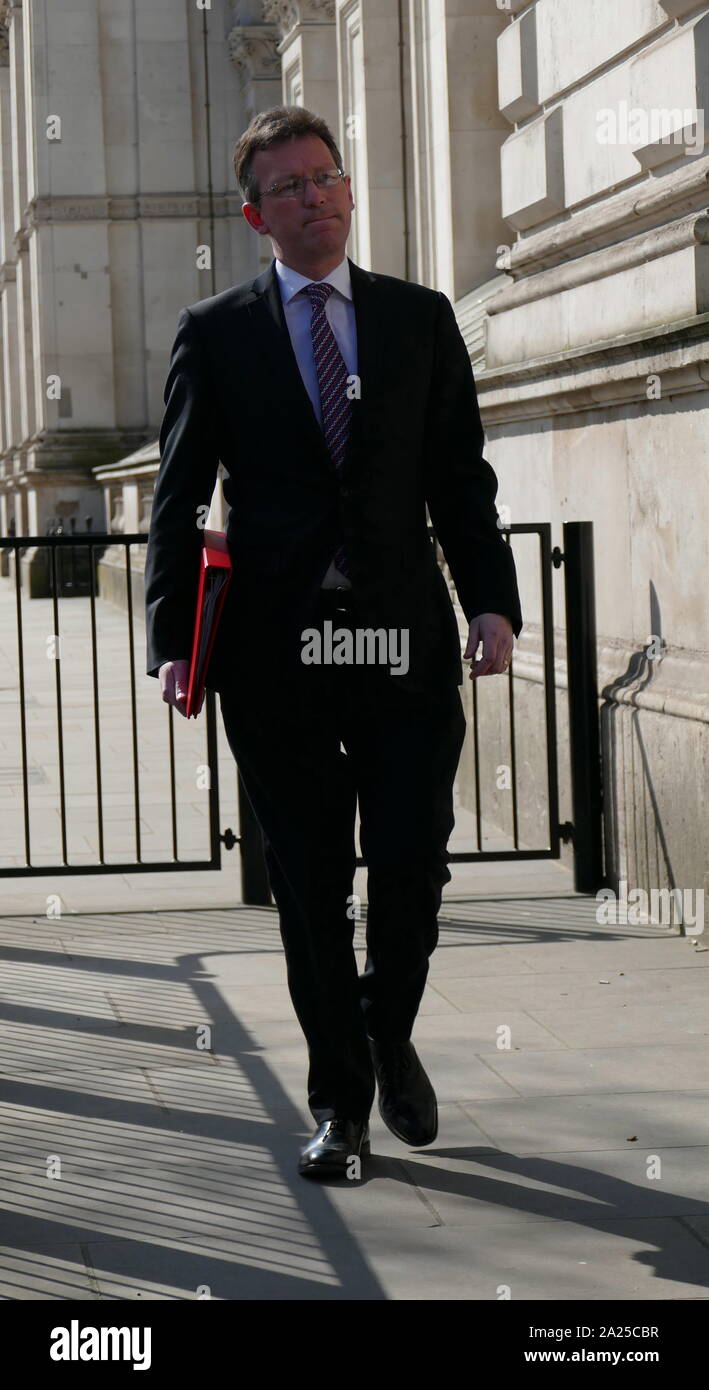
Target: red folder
[[214, 580]]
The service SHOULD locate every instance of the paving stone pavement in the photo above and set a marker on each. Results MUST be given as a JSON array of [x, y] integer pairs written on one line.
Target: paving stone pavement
[[573, 1150]]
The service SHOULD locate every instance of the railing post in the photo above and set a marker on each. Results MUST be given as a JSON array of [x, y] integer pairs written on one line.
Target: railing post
[[255, 886], [584, 731]]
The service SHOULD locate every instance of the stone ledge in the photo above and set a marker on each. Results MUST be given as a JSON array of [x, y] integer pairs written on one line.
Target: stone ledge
[[679, 686], [126, 207], [692, 230], [75, 449], [599, 225], [471, 312], [599, 375]]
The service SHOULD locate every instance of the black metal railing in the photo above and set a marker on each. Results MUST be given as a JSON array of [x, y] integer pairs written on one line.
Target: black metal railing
[[72, 562], [551, 848], [584, 832], [93, 546]]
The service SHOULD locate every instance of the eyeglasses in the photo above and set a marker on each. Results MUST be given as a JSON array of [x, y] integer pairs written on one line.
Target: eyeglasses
[[295, 188]]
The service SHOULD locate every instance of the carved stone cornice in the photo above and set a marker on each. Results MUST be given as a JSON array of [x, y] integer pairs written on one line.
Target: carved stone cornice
[[599, 265], [73, 455], [21, 238], [679, 687], [127, 208], [599, 375], [285, 14], [253, 51], [604, 223]]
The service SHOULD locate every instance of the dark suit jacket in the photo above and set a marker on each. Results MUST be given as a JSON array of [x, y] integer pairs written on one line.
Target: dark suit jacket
[[234, 393]]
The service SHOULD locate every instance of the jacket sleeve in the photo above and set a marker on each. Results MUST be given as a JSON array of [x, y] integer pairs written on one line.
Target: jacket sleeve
[[461, 485], [188, 468]]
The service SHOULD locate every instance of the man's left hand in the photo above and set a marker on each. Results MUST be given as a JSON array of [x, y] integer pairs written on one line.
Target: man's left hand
[[495, 633]]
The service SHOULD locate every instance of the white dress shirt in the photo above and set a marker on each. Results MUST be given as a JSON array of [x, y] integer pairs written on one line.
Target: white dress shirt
[[340, 313]]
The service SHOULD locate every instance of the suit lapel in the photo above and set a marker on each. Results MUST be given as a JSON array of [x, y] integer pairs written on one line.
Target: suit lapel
[[272, 339]]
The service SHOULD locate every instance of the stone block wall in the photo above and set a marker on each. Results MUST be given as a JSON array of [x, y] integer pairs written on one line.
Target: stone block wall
[[595, 377]]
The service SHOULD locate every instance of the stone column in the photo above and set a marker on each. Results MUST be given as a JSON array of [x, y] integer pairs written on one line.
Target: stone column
[[13, 201], [253, 49], [62, 275], [254, 53], [11, 434], [370, 57], [308, 52], [12, 365], [456, 134]]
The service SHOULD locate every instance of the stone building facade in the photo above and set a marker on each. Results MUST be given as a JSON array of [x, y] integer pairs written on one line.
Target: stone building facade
[[542, 163], [594, 388]]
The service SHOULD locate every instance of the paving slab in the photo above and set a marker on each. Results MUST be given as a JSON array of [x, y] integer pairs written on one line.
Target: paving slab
[[44, 1272], [607, 1069], [579, 1123]]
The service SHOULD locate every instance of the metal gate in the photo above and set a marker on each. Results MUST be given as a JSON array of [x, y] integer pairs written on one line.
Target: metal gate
[[584, 832], [67, 566]]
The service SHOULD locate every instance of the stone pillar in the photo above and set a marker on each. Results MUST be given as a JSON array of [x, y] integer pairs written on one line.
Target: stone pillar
[[65, 234], [456, 134], [308, 53], [13, 17], [12, 386], [8, 268], [253, 49], [372, 131]]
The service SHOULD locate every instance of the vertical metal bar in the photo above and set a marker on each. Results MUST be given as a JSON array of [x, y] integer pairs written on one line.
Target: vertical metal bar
[[215, 844], [584, 734], [173, 798], [97, 731], [476, 754], [513, 750], [513, 755], [255, 886], [133, 709], [23, 712], [549, 685], [58, 684]]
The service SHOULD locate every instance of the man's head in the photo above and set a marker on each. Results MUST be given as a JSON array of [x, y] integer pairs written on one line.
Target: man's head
[[308, 227]]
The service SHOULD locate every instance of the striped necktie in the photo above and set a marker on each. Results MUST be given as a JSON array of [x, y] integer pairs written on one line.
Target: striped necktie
[[332, 375]]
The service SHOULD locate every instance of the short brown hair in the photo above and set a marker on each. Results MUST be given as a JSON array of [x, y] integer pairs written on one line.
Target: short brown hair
[[275, 127]]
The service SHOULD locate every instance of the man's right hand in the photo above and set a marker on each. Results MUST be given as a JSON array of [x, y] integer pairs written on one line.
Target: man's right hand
[[174, 678]]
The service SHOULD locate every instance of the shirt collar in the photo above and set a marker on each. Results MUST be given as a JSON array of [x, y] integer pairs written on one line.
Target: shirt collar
[[291, 281]]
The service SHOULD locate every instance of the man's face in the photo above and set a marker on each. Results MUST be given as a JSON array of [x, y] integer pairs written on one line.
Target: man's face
[[308, 232]]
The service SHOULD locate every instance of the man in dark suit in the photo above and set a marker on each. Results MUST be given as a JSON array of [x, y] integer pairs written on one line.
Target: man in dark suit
[[341, 403]]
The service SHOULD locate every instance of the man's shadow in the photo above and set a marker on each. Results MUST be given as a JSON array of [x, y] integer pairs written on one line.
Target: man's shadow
[[610, 1205]]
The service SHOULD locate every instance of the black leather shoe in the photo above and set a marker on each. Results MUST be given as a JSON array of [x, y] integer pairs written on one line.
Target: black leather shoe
[[407, 1100], [332, 1146]]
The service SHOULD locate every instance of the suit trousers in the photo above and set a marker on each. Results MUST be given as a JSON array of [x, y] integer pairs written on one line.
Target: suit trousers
[[310, 747]]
